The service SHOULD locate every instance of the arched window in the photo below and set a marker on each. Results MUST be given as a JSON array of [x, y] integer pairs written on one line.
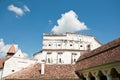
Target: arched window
[[102, 76], [114, 74]]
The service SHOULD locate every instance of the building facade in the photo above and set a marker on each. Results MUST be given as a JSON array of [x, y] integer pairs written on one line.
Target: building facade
[[17, 62], [10, 53], [14, 62], [2, 60], [65, 48], [102, 63]]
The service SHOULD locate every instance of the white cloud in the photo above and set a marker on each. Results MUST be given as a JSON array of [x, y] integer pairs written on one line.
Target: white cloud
[[26, 9], [69, 23], [4, 48], [17, 10]]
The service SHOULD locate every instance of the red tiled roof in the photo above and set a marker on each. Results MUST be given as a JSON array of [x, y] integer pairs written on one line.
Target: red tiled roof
[[2, 60], [105, 54], [100, 49], [12, 49], [51, 71]]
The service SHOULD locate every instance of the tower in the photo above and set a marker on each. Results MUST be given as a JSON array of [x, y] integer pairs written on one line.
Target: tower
[[11, 51]]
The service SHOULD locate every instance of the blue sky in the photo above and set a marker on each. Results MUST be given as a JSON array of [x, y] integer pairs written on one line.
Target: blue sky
[[25, 21]]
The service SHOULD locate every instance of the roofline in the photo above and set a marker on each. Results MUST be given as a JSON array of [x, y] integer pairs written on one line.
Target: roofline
[[110, 45], [37, 52], [64, 34], [98, 41]]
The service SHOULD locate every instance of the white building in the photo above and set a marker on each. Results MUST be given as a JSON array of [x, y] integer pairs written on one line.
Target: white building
[[10, 53], [17, 61], [65, 48]]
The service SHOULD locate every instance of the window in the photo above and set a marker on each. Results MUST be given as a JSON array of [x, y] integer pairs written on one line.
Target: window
[[60, 61], [49, 45], [49, 57], [59, 45], [60, 57], [81, 45], [13, 70], [73, 58], [70, 44], [88, 47], [48, 60]]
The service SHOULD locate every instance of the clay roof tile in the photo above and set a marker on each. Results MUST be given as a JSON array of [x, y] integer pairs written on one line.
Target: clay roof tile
[[2, 60], [12, 49]]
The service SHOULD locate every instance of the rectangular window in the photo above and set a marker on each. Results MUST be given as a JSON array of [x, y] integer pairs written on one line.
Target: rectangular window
[[48, 60], [49, 57], [60, 57], [73, 58], [60, 61], [88, 47]]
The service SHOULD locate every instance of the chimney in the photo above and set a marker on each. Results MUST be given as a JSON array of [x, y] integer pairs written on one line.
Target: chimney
[[42, 67]]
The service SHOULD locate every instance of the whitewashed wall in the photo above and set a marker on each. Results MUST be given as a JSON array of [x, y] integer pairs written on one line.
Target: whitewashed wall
[[66, 57], [16, 63], [1, 73], [67, 44]]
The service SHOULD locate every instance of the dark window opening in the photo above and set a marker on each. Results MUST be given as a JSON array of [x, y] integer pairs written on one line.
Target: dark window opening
[[49, 44], [92, 78], [59, 45], [70, 44], [13, 70], [60, 61], [48, 60], [103, 78], [88, 47], [74, 60], [81, 46]]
